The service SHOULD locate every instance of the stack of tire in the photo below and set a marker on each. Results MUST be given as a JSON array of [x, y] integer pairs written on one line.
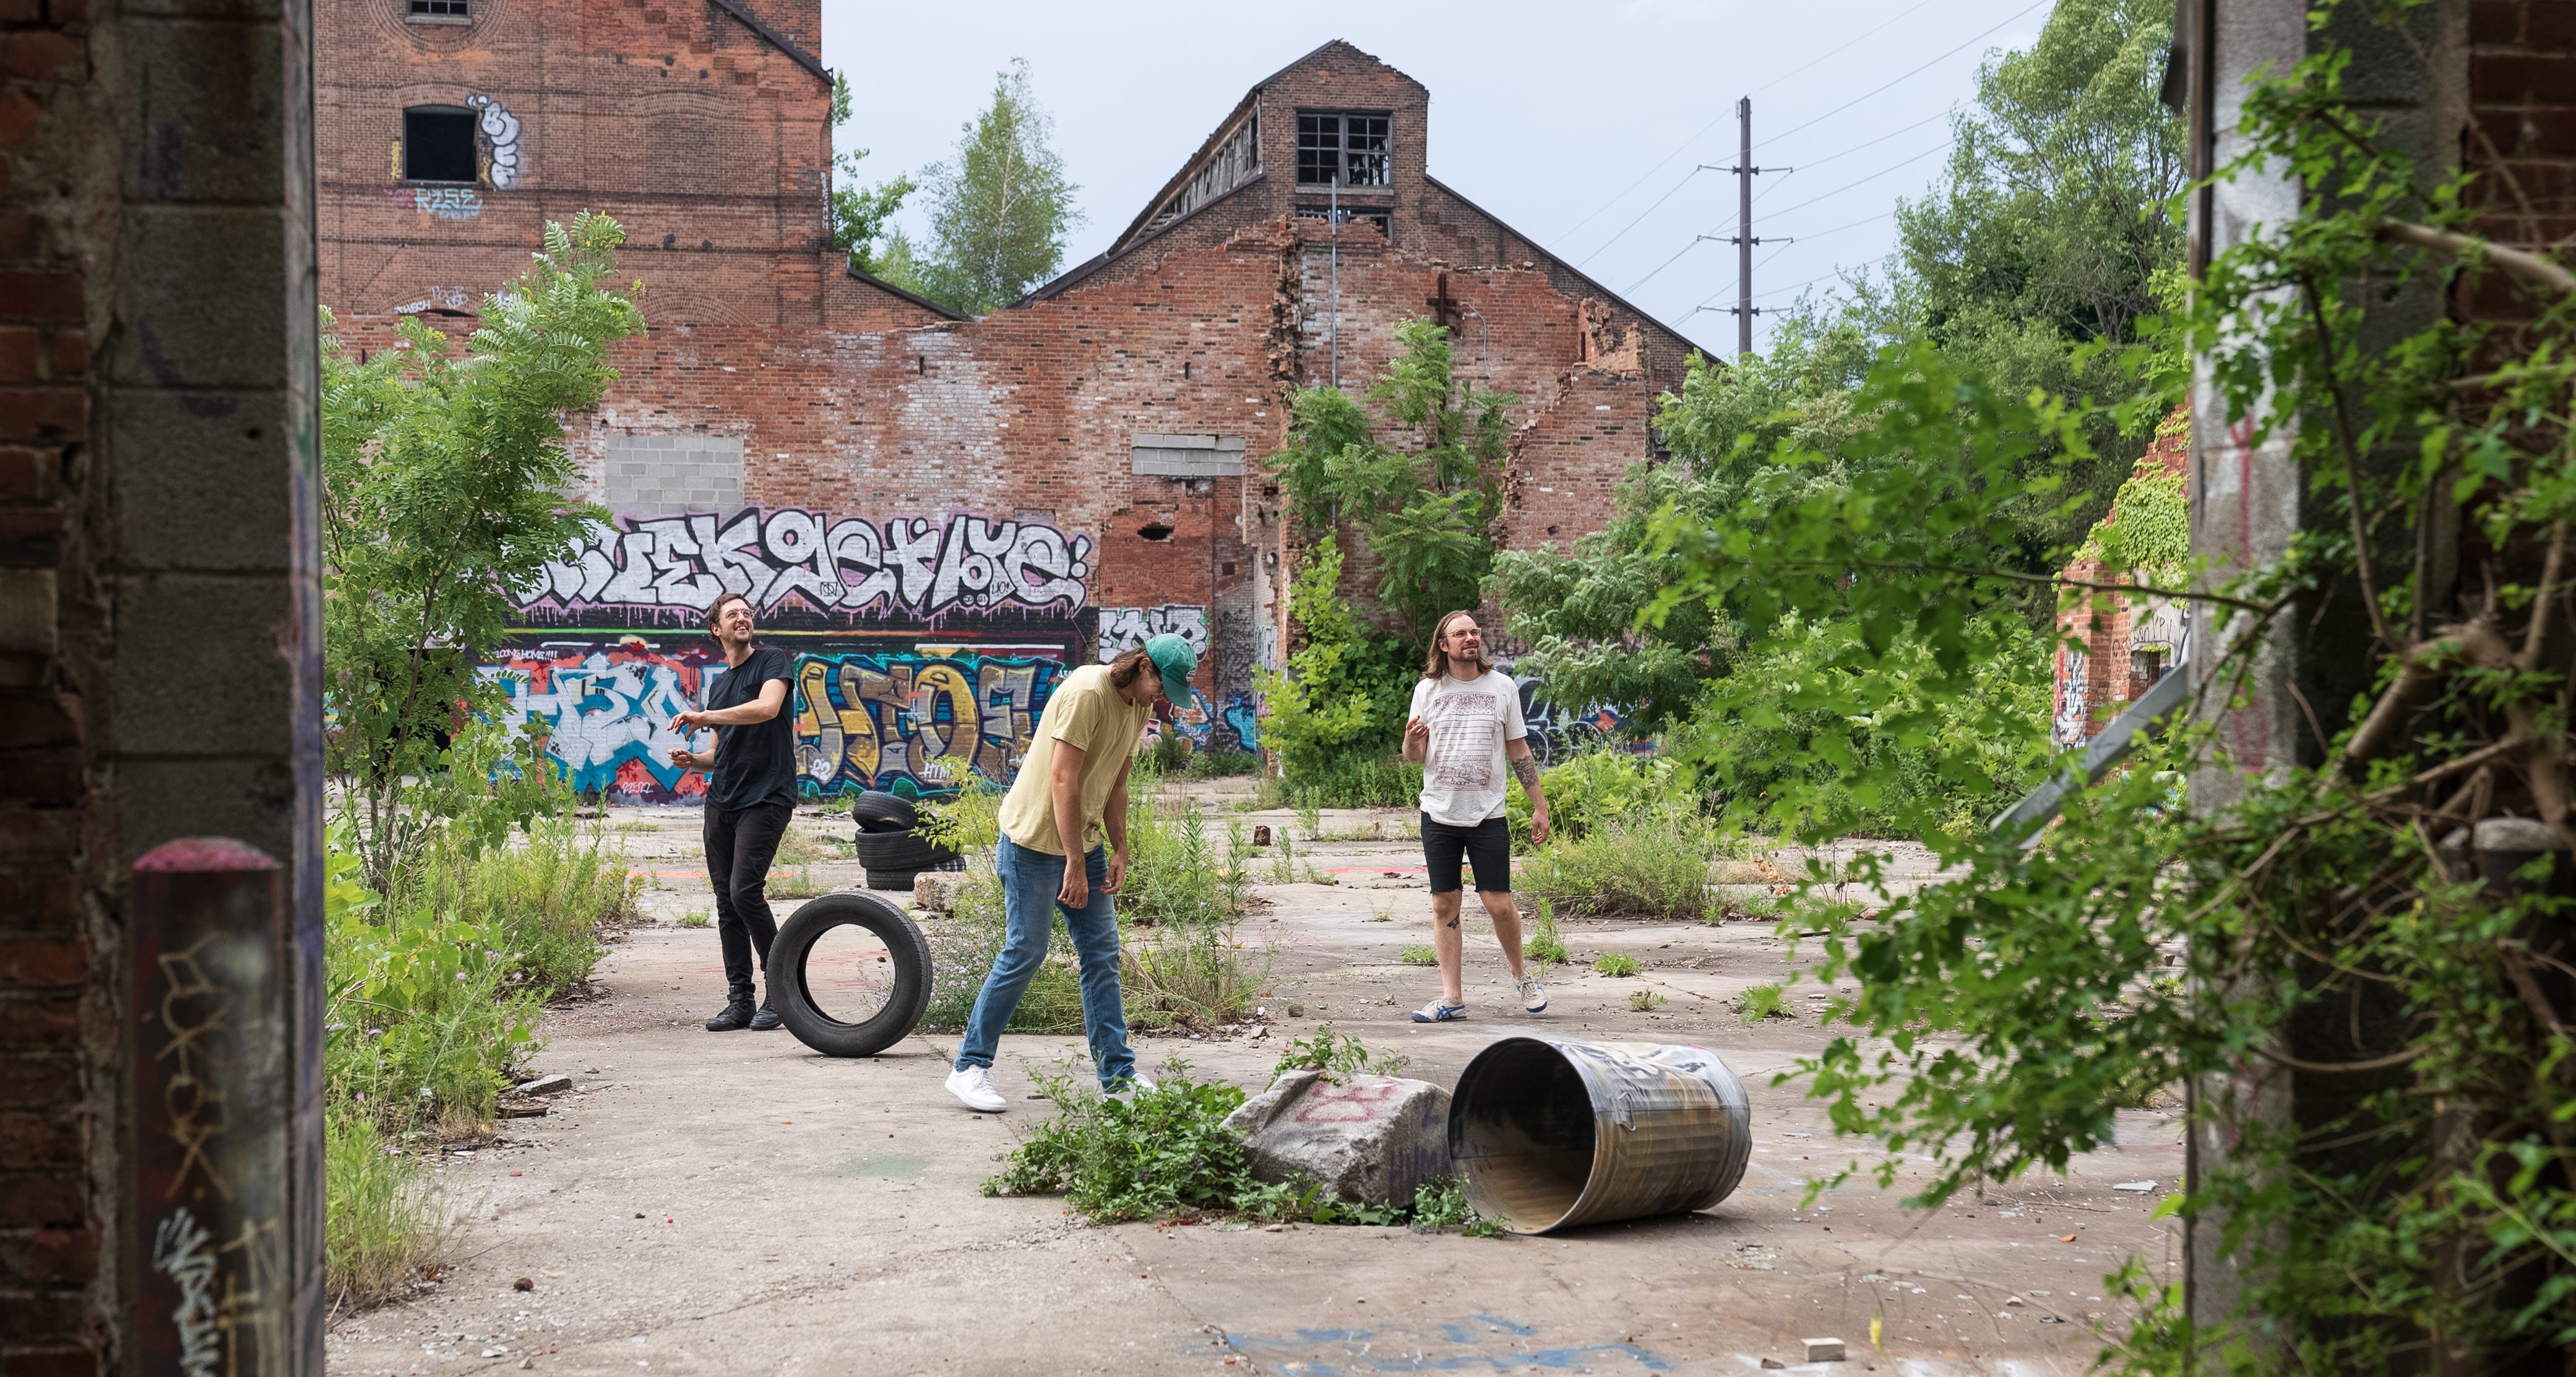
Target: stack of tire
[[886, 845]]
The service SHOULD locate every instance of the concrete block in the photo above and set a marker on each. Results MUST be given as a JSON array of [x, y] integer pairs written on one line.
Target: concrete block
[[201, 479], [163, 800], [1370, 1139], [204, 304], [204, 111], [1824, 1350], [202, 666], [936, 891]]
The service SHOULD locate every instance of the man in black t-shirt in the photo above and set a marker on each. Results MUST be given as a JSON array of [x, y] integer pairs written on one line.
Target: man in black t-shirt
[[751, 793]]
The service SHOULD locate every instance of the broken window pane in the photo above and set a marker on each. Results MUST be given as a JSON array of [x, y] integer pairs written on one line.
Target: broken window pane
[[1380, 216], [438, 144], [1350, 147]]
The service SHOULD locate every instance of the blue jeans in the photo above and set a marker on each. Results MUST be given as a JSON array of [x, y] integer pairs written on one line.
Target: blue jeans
[[1030, 882]]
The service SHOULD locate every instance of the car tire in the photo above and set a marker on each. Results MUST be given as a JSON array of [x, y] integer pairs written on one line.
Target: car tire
[[790, 995], [899, 851], [879, 811], [891, 879]]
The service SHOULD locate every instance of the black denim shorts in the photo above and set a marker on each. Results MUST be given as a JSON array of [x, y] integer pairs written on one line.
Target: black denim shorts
[[1487, 846]]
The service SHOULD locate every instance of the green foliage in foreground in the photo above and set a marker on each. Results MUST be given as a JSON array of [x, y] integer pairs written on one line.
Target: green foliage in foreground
[[2422, 1209], [1654, 865], [1339, 710], [380, 1225], [1165, 1153]]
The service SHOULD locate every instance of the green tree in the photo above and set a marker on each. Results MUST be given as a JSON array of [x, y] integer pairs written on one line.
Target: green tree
[[443, 483], [1425, 512], [999, 208], [2054, 227], [861, 215], [1345, 692]]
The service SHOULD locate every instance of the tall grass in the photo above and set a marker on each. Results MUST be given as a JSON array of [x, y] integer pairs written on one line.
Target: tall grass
[[546, 901], [381, 1226], [1654, 865]]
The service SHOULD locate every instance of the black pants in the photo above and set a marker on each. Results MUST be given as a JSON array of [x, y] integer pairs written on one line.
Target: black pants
[[740, 844]]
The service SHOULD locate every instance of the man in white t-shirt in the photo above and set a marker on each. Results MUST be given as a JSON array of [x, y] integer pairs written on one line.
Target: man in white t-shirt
[[1465, 730]]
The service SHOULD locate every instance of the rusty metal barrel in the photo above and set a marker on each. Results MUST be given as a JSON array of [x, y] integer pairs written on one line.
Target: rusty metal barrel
[[1552, 1133]]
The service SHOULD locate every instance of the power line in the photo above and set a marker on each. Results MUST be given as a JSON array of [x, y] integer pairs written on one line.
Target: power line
[[1641, 215], [1569, 230], [1846, 105], [1892, 167]]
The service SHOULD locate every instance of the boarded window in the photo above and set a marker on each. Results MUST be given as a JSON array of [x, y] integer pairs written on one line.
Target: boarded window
[[1189, 456], [1350, 147], [438, 144], [671, 475]]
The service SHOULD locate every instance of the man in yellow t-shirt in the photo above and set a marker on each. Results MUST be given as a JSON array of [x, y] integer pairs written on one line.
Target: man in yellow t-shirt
[[1072, 785]]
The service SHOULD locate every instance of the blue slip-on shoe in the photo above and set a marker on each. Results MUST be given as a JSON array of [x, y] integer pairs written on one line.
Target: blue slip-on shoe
[[1439, 1011]]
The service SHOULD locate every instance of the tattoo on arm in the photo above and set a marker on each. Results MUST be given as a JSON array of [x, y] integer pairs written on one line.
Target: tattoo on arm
[[1525, 769]]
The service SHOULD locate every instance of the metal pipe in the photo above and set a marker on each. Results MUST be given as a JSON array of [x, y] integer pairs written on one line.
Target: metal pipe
[[1552, 1133], [1333, 232]]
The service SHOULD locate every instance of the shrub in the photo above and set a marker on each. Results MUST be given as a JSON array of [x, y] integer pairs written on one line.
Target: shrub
[[1336, 1056], [380, 1225], [1616, 963], [1165, 1152], [1762, 1001], [1219, 764], [1358, 781], [542, 904], [1600, 787], [1655, 865], [1545, 945]]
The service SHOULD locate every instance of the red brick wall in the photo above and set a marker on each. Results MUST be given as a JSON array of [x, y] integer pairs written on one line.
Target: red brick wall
[[54, 1129], [707, 143], [2521, 142]]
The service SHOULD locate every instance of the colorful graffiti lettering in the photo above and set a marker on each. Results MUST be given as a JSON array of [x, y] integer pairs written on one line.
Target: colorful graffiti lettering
[[1124, 628], [866, 721], [608, 710], [910, 564], [1559, 734], [440, 202], [862, 720], [1232, 729], [2070, 724]]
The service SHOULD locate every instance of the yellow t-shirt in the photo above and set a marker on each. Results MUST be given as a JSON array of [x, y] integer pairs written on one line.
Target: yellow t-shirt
[[1089, 712]]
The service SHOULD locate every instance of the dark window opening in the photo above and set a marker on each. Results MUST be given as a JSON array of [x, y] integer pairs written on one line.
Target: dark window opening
[[1380, 216], [439, 11], [2145, 668], [438, 144], [1155, 530], [1351, 148]]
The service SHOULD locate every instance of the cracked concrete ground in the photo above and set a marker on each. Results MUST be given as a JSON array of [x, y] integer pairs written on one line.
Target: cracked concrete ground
[[734, 1203]]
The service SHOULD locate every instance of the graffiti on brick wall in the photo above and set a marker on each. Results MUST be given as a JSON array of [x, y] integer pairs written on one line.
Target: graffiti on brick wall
[[865, 721], [1124, 628], [1209, 727], [501, 132], [607, 707], [1558, 734], [440, 202], [2074, 708], [906, 565]]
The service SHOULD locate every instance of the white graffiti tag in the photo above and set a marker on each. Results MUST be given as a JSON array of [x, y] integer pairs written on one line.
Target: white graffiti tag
[[501, 129], [179, 1252], [911, 563], [1124, 628]]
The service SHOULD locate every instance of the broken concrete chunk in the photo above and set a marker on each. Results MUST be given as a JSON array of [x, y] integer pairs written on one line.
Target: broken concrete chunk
[[1824, 1350], [936, 890], [547, 1085], [1774, 1362], [1369, 1139]]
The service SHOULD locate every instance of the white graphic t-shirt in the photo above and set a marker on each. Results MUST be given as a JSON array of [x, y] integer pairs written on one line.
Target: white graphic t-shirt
[[1463, 770]]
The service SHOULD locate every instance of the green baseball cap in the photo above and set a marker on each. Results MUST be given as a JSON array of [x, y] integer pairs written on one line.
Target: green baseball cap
[[1177, 662]]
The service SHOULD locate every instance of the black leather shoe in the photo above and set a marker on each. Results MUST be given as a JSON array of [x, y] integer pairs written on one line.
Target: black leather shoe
[[763, 1019], [734, 1017]]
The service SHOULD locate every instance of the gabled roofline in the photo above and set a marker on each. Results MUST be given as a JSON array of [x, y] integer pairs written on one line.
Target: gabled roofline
[[892, 290], [1570, 270], [1181, 178], [1072, 277], [776, 39]]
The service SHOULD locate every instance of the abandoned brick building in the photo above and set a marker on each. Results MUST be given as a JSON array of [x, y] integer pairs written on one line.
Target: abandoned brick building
[[939, 513]]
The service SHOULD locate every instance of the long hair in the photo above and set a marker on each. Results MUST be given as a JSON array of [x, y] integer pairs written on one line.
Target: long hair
[[1122, 671], [1437, 662], [715, 613]]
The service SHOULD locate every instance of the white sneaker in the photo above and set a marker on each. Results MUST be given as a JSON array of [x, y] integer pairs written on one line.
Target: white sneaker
[[974, 1085], [1533, 998], [1136, 1082]]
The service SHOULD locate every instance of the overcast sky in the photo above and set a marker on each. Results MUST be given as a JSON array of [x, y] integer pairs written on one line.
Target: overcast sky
[[1580, 126]]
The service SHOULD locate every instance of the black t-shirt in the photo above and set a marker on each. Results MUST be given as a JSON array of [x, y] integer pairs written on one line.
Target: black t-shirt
[[755, 762]]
